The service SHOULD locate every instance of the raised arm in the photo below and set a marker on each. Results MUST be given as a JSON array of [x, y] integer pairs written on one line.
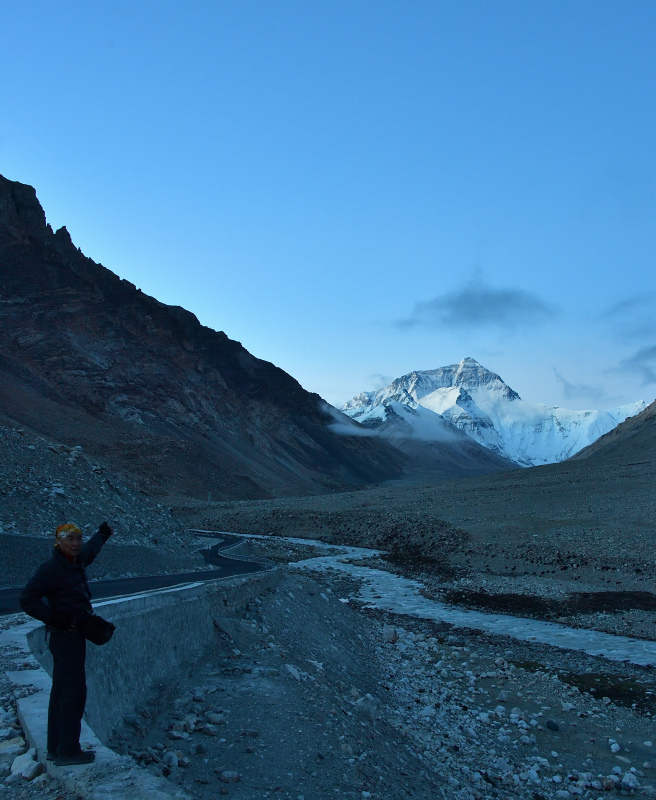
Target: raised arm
[[91, 548]]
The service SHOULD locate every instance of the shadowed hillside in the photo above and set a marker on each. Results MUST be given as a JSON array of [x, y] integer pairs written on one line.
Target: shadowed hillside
[[88, 359]]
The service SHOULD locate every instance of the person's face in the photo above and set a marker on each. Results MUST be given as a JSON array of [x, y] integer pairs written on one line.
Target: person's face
[[71, 545]]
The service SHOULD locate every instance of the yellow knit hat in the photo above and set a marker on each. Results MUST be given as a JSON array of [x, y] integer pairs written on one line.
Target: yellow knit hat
[[66, 530]]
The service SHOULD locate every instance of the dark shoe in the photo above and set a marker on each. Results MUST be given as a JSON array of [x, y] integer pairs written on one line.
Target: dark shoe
[[83, 757]]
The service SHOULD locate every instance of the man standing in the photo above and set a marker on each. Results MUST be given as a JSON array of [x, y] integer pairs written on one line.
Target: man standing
[[62, 581]]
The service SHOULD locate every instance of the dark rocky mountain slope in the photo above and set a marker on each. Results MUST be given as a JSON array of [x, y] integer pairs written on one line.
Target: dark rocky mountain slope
[[88, 359]]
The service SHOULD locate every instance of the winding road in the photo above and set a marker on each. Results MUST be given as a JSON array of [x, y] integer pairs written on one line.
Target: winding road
[[224, 567]]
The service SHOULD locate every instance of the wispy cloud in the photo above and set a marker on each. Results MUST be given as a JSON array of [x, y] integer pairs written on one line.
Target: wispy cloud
[[477, 305], [343, 425], [379, 381], [577, 391], [643, 363], [633, 317]]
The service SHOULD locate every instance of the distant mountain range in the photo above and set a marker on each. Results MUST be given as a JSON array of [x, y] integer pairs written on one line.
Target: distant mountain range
[[88, 359], [440, 405]]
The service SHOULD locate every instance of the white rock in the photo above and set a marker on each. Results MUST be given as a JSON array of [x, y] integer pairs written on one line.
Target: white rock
[[33, 770], [390, 634], [13, 747], [629, 781], [368, 706], [25, 765], [291, 670], [22, 761]]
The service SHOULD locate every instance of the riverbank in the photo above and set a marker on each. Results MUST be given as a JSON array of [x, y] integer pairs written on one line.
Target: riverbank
[[311, 691], [315, 694]]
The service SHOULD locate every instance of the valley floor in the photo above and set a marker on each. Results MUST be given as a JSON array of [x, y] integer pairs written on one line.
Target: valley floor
[[572, 542], [312, 694]]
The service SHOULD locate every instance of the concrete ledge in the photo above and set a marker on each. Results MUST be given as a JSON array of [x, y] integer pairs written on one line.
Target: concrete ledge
[[110, 776], [158, 634]]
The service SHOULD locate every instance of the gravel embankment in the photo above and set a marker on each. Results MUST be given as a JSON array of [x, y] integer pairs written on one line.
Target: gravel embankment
[[43, 484]]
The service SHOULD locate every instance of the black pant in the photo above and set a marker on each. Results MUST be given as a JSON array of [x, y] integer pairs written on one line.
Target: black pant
[[68, 695]]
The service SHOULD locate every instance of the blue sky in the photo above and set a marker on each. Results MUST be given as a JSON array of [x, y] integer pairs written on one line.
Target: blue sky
[[358, 189]]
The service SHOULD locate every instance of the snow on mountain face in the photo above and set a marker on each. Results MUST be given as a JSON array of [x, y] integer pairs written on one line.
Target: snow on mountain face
[[434, 404]]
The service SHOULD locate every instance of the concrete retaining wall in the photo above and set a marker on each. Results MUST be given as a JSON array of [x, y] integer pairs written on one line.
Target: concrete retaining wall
[[159, 634]]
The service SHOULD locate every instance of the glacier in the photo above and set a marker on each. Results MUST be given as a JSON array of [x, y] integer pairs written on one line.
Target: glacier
[[433, 405]]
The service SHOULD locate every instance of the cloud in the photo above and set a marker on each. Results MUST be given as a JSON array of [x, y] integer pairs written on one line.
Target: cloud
[[342, 424], [644, 363], [629, 305], [478, 305], [379, 381], [572, 391], [633, 317]]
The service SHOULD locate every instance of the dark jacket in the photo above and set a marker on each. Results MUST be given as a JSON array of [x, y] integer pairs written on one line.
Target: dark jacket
[[62, 583]]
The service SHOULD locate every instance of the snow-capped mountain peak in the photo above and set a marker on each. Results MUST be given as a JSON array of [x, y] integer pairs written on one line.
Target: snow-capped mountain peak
[[471, 398]]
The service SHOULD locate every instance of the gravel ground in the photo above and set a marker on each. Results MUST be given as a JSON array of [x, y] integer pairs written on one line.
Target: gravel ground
[[308, 694], [41, 787], [312, 695]]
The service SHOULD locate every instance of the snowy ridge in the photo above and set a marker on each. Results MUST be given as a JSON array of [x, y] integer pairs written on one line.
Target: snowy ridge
[[433, 405]]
